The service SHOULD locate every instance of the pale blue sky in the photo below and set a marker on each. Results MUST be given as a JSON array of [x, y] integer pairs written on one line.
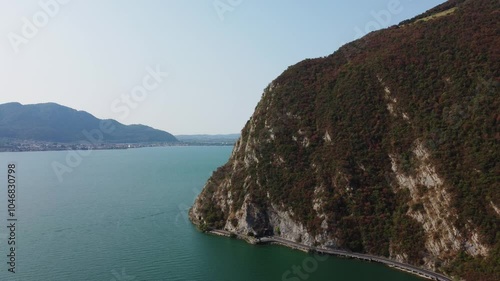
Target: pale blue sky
[[89, 54]]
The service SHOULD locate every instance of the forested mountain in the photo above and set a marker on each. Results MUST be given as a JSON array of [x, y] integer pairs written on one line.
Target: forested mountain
[[51, 122], [389, 146]]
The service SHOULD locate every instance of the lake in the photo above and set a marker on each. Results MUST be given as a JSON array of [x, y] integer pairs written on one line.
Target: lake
[[122, 215]]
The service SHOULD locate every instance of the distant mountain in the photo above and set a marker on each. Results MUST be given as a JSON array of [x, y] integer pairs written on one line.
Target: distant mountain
[[229, 139], [52, 122]]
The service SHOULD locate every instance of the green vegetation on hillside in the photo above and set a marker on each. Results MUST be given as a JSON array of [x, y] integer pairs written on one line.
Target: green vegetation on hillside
[[434, 83]]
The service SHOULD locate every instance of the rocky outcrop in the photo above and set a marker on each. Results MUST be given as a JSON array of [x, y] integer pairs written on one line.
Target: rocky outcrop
[[437, 214], [386, 147]]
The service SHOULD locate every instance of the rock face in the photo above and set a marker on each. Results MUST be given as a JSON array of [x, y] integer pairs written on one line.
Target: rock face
[[389, 146]]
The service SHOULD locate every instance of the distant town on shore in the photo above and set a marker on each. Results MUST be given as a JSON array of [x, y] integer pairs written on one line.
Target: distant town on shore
[[12, 145]]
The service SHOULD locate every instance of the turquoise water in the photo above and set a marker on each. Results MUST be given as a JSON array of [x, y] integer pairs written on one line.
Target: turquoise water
[[122, 215]]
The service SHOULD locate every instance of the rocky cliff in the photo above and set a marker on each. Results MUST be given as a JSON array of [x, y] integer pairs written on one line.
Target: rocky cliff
[[389, 146]]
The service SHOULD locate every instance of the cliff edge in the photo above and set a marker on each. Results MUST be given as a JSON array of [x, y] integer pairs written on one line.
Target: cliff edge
[[389, 146]]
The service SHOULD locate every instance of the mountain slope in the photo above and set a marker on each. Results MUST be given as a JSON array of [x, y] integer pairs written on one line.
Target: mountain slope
[[389, 146], [55, 123]]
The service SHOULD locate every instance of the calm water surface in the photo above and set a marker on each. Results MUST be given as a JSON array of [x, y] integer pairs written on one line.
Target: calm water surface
[[122, 215]]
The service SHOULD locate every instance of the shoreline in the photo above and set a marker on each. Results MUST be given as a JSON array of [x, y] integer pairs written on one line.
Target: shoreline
[[421, 272], [117, 148]]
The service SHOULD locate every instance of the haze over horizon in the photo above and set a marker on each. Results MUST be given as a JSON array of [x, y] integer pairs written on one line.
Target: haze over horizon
[[111, 59]]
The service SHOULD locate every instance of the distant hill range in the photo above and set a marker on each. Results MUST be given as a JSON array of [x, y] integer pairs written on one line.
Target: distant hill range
[[229, 139], [51, 122]]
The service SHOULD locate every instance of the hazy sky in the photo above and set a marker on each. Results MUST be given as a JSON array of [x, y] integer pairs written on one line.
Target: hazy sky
[[110, 57]]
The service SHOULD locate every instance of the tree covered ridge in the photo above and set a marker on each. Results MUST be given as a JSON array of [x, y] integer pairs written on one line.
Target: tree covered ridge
[[326, 123], [52, 122]]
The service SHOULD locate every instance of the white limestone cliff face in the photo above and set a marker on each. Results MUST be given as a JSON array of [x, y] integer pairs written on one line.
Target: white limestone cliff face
[[497, 210], [437, 216], [279, 221], [246, 218], [250, 219]]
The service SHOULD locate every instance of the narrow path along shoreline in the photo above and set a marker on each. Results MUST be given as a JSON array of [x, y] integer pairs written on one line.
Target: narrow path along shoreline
[[287, 243]]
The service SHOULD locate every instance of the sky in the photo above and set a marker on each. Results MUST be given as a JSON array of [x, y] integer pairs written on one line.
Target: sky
[[186, 67]]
